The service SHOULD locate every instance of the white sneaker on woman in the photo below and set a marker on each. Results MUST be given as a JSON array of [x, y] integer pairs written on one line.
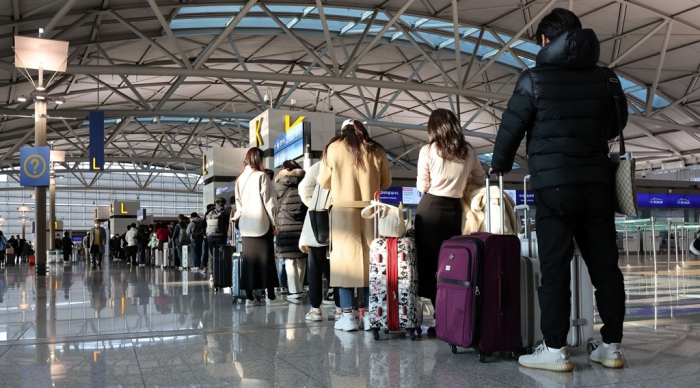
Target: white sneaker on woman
[[315, 315], [346, 322], [366, 322], [277, 302]]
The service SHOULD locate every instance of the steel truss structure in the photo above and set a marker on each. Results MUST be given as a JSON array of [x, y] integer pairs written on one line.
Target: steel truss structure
[[175, 77]]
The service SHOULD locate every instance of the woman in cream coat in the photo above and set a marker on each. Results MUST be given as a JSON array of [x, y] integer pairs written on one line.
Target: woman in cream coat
[[256, 211], [353, 168], [315, 197]]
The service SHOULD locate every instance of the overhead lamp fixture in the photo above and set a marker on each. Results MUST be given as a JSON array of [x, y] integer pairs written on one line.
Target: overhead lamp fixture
[[22, 98], [40, 96], [294, 102], [60, 101], [40, 89]]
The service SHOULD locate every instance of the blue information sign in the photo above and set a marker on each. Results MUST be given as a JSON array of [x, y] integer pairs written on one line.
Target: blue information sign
[[97, 140], [34, 166], [392, 195], [521, 197], [289, 145]]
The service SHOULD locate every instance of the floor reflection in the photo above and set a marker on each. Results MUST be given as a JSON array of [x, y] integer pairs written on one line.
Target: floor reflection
[[141, 326]]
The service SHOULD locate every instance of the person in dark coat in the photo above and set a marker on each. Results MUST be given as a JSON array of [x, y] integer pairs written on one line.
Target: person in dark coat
[[67, 246], [291, 221], [567, 107]]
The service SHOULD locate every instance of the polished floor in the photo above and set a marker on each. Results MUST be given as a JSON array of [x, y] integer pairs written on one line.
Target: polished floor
[[125, 326]]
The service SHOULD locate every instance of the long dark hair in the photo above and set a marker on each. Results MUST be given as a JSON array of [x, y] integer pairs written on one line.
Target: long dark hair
[[358, 141], [290, 165], [444, 131], [254, 159]]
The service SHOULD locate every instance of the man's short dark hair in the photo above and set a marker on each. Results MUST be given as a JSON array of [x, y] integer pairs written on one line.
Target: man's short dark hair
[[210, 206], [180, 216], [133, 225], [194, 215], [558, 21]]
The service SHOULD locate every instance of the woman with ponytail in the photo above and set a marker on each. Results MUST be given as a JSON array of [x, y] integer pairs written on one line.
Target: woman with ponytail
[[353, 168]]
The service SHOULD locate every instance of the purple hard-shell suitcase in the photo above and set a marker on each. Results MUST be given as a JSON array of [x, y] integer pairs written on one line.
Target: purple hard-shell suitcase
[[478, 296]]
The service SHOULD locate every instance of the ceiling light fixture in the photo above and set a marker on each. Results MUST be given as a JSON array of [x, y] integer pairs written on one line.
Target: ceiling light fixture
[[22, 99]]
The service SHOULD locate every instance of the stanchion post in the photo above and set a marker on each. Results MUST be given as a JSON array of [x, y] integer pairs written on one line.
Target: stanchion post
[[653, 241]]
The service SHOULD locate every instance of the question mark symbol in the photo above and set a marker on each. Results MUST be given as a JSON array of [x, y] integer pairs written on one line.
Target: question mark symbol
[[34, 162]]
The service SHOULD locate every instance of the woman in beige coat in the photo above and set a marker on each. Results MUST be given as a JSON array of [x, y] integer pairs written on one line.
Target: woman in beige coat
[[353, 168]]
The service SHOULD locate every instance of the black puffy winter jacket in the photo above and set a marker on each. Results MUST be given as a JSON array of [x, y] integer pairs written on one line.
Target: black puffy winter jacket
[[290, 217], [566, 107]]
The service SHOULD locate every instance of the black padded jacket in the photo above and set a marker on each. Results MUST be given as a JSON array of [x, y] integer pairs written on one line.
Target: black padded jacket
[[290, 218], [566, 107]]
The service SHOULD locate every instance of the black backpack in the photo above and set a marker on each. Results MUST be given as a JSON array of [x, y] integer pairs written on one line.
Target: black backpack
[[198, 230]]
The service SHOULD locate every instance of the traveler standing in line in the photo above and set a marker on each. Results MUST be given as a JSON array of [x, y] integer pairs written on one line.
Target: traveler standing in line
[[446, 165], [142, 243], [217, 226], [3, 246], [256, 214], [206, 252], [97, 238], [569, 108], [67, 246], [153, 242], [180, 239], [132, 245], [162, 233], [196, 230], [290, 220], [315, 197], [353, 168]]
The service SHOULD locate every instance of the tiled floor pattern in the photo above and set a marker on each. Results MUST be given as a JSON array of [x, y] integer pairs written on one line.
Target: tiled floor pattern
[[135, 327]]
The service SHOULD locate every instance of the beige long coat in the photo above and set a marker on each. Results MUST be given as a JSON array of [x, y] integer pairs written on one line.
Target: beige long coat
[[351, 188]]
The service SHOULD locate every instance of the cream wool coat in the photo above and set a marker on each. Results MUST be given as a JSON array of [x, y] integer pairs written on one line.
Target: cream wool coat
[[256, 203], [351, 189]]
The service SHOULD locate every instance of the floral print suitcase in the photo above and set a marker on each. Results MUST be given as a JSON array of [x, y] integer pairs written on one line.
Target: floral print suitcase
[[394, 304]]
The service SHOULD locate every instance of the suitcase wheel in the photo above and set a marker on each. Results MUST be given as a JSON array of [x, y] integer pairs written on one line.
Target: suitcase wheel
[[375, 334], [235, 300], [419, 331], [453, 348], [591, 347], [413, 335], [514, 355], [482, 357]]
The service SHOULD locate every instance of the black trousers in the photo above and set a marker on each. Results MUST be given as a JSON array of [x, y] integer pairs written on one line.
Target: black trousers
[[586, 214], [318, 264], [437, 219]]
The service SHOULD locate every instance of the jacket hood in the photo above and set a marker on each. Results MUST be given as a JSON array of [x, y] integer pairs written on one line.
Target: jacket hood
[[296, 173], [576, 49]]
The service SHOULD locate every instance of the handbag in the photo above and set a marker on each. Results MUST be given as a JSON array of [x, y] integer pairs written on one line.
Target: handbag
[[320, 221], [625, 180], [390, 221]]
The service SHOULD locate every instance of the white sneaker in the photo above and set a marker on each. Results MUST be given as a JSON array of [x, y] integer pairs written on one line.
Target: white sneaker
[[366, 322], [543, 358], [338, 313], [277, 302], [346, 322], [610, 356], [298, 295], [252, 303], [315, 315], [180, 268]]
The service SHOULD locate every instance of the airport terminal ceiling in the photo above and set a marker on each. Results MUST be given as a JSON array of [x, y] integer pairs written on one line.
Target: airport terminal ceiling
[[175, 77]]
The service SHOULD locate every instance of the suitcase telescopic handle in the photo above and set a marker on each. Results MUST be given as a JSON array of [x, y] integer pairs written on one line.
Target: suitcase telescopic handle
[[488, 203]]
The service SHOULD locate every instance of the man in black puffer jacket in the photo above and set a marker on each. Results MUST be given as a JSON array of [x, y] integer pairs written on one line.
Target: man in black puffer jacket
[[566, 106], [290, 220]]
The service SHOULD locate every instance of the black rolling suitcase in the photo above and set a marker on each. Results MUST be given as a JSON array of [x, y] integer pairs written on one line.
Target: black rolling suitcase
[[223, 267]]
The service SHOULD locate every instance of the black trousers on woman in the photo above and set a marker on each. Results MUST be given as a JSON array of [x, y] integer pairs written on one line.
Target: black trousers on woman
[[437, 219], [259, 271]]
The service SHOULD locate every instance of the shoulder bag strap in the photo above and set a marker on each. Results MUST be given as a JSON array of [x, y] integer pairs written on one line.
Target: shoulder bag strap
[[612, 78]]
